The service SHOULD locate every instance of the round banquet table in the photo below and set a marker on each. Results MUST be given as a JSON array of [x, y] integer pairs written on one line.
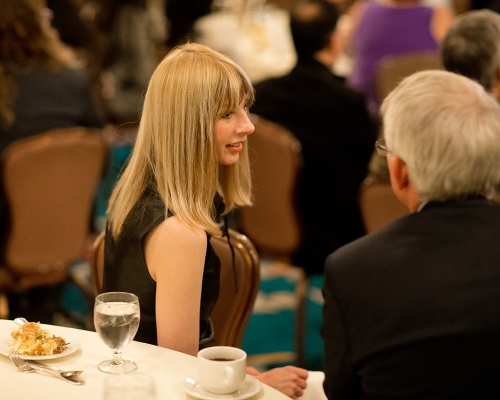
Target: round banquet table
[[168, 368]]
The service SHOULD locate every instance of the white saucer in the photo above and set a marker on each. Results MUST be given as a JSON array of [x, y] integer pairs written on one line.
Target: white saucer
[[250, 387]]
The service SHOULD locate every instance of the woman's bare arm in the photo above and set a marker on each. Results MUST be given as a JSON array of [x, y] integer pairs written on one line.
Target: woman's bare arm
[[442, 18], [175, 256]]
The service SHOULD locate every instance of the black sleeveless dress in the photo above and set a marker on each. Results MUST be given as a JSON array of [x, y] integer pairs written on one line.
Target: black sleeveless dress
[[125, 269]]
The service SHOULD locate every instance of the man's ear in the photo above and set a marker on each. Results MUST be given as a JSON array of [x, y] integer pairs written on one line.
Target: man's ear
[[401, 184], [398, 173]]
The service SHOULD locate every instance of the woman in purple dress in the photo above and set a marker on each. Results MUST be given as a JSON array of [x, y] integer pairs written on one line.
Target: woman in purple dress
[[390, 27]]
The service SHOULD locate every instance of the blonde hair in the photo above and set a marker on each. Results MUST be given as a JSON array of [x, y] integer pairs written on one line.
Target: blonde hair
[[446, 128], [189, 89]]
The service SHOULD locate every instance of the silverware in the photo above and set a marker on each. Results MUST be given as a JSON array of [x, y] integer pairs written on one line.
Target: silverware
[[21, 321], [23, 366], [66, 374]]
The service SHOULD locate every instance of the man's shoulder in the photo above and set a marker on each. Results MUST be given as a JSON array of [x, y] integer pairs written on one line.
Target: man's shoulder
[[444, 223], [303, 81], [269, 85], [359, 252]]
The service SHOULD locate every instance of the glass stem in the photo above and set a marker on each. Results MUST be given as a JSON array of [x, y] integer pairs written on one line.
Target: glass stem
[[117, 358]]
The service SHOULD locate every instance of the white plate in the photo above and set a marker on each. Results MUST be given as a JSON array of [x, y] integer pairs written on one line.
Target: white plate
[[74, 345], [250, 387]]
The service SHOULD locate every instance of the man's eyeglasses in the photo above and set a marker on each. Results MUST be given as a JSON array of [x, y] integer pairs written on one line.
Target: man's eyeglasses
[[381, 148]]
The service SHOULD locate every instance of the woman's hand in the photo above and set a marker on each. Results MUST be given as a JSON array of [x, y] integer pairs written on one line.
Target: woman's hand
[[289, 380]]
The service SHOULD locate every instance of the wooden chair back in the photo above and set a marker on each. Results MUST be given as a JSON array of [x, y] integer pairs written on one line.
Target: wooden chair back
[[237, 296], [379, 205], [97, 264], [272, 223], [235, 304], [49, 182], [392, 69]]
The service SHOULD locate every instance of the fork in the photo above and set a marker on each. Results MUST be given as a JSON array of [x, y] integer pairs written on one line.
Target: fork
[[23, 366]]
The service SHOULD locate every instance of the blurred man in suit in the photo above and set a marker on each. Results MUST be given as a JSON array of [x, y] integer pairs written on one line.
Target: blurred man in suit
[[334, 127], [411, 311]]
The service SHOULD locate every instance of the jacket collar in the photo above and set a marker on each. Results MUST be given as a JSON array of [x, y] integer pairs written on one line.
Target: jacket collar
[[473, 200]]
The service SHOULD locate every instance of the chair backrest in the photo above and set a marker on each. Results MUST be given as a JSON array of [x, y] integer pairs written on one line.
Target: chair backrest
[[235, 304], [379, 204], [97, 264], [276, 161], [233, 309], [393, 68], [49, 182]]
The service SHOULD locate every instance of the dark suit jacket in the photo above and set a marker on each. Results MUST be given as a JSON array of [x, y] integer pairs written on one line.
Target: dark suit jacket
[[413, 311], [337, 135]]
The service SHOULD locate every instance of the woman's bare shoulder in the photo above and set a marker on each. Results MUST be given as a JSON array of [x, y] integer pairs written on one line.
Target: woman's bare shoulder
[[177, 229], [174, 242], [357, 10], [350, 21]]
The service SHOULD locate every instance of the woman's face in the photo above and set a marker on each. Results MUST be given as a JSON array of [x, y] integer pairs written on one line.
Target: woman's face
[[230, 132]]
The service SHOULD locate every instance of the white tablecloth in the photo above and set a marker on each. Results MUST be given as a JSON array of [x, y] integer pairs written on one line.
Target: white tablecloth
[[168, 368]]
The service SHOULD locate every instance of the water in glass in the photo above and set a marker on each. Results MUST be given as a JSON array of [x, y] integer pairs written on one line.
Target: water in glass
[[116, 319]]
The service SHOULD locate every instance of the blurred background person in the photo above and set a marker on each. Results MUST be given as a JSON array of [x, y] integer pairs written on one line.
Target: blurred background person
[[333, 125], [471, 48], [182, 14], [378, 28], [43, 85], [411, 310], [136, 29], [82, 35]]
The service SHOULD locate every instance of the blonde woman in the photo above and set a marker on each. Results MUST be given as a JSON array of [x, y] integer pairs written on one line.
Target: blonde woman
[[189, 166]]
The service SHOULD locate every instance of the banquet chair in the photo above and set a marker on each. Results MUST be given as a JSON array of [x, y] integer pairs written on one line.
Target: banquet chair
[[237, 292], [239, 285], [97, 264], [272, 223], [393, 68], [48, 182], [379, 205]]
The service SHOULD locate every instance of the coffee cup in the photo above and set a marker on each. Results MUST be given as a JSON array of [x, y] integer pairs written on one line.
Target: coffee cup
[[221, 369]]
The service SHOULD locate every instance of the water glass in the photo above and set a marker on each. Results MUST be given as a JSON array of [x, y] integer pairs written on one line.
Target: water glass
[[116, 319]]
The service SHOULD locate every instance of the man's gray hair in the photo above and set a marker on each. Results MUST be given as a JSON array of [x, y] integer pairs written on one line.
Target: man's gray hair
[[446, 128], [471, 46]]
